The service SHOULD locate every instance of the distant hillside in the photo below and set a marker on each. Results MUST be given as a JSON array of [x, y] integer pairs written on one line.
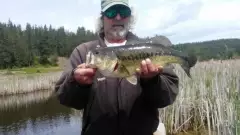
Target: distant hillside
[[214, 49]]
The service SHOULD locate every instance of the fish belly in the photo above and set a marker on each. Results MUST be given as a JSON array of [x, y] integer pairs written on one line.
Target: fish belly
[[165, 60]]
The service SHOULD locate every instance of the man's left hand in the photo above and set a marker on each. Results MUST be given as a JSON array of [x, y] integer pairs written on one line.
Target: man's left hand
[[148, 70]]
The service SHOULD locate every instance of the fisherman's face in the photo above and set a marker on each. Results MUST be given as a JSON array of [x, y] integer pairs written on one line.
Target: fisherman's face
[[116, 21]]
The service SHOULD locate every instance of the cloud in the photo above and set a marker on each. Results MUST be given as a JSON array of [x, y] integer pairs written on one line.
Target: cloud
[[220, 11], [184, 21], [166, 14], [216, 20], [179, 20]]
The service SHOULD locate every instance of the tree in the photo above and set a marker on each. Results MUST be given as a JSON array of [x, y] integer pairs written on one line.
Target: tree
[[37, 44]]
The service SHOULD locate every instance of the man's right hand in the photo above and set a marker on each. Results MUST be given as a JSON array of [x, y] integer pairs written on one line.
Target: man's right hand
[[84, 75]]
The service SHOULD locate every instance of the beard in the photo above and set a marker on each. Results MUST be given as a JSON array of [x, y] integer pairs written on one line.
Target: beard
[[119, 32]]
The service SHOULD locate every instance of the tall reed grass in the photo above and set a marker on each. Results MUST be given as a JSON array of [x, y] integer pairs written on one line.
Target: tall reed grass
[[206, 104], [19, 84]]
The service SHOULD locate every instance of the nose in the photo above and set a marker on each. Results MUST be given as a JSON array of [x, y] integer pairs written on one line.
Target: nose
[[118, 17]]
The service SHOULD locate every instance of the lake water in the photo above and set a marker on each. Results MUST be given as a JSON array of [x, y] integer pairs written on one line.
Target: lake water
[[35, 114], [38, 113]]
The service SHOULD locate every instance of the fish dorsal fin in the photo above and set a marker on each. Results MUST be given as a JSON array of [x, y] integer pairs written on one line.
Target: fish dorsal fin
[[132, 79]]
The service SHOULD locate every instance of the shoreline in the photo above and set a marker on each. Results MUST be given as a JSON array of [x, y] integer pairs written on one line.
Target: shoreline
[[27, 83]]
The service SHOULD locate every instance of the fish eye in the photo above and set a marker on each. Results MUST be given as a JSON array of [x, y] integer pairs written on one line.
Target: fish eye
[[96, 52]]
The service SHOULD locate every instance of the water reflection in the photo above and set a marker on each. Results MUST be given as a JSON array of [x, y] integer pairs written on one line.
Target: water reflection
[[42, 116], [23, 100]]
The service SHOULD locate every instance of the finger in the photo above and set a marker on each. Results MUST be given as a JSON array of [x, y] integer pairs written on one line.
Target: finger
[[83, 65], [87, 72], [150, 66], [88, 80], [90, 72], [83, 79], [144, 69]]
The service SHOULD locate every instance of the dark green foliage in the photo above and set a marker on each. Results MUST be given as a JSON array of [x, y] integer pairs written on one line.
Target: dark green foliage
[[37, 45], [221, 49], [53, 60]]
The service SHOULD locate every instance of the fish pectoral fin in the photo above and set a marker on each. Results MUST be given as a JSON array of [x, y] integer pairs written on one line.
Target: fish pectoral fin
[[132, 79]]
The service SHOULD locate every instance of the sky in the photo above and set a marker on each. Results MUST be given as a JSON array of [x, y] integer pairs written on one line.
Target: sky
[[179, 20]]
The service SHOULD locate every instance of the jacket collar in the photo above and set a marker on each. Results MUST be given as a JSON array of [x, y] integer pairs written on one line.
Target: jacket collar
[[130, 37]]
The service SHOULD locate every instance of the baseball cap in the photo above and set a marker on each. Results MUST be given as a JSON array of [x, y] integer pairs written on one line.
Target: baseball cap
[[105, 4]]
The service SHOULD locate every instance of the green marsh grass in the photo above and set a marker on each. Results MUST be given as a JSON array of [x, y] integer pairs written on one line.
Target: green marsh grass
[[30, 70], [206, 104]]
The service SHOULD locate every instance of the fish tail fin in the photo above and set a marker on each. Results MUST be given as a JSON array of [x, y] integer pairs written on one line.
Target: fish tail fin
[[186, 67], [187, 64], [192, 59]]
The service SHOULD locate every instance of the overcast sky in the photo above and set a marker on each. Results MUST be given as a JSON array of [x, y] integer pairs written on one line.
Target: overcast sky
[[179, 20]]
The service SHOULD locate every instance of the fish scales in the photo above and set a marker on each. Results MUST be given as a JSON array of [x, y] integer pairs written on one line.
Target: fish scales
[[131, 52], [132, 65], [131, 56]]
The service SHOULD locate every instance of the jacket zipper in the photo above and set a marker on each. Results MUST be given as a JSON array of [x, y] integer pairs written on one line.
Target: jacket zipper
[[119, 101], [118, 119]]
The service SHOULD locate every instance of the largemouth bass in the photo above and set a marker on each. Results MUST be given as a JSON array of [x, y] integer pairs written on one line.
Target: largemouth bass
[[122, 61]]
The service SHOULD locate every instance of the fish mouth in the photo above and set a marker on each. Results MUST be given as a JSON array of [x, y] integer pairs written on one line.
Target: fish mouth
[[90, 60]]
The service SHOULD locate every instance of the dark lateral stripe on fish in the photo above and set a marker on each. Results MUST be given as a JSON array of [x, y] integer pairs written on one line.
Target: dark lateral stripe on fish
[[143, 51], [140, 55]]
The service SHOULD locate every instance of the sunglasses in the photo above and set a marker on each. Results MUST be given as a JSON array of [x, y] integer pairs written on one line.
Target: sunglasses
[[121, 10]]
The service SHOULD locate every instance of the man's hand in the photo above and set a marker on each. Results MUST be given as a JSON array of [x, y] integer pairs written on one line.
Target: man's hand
[[148, 70], [84, 75]]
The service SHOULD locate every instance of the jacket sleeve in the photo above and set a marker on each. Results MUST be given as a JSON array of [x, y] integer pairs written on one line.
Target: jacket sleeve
[[68, 91], [161, 90]]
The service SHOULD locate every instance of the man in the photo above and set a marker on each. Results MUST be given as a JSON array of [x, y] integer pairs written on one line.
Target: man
[[114, 106]]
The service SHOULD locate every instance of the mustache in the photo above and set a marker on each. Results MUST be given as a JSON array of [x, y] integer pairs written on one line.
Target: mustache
[[119, 23], [114, 25]]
